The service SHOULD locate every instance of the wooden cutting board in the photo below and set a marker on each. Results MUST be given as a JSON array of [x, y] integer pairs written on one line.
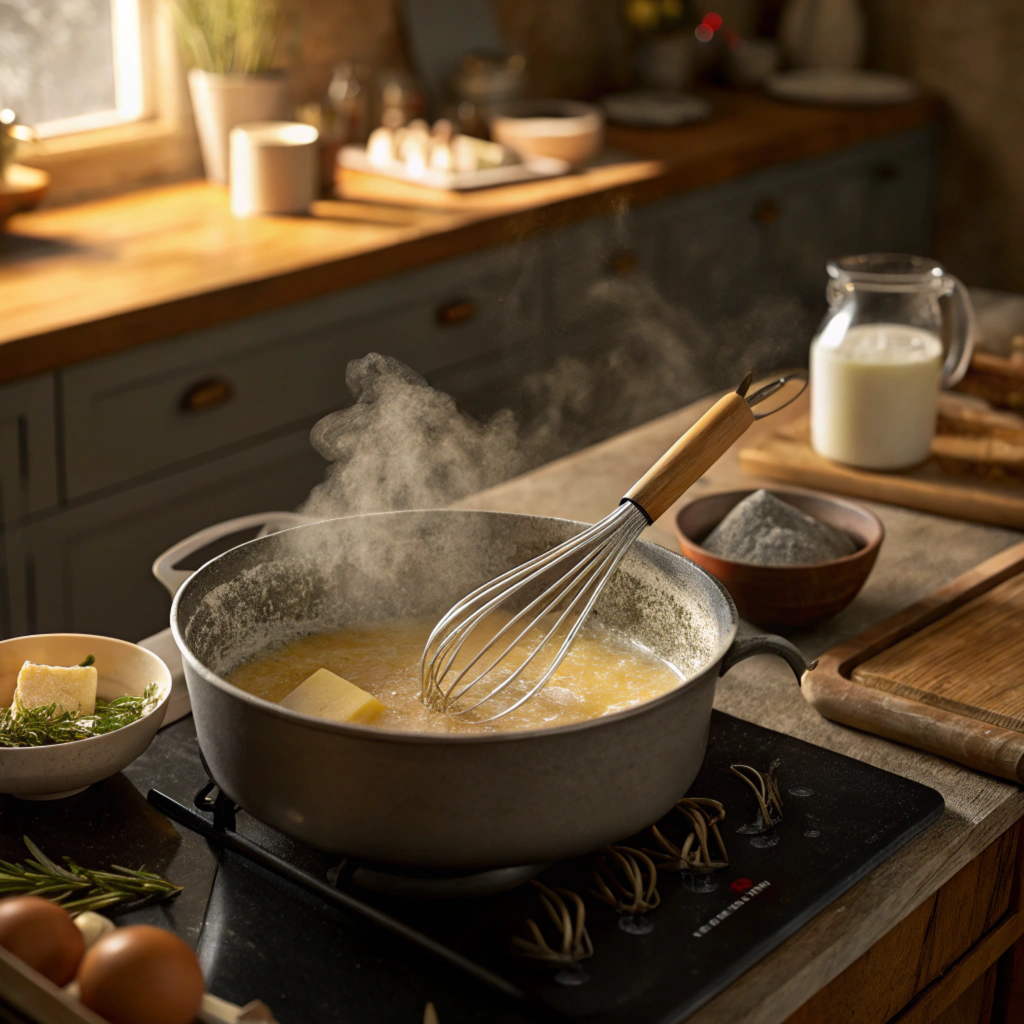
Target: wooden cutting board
[[945, 675], [976, 470]]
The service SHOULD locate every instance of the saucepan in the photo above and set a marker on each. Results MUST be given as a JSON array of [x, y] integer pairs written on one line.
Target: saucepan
[[462, 801]]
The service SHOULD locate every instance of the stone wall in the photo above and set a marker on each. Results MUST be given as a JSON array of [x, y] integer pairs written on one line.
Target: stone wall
[[970, 53]]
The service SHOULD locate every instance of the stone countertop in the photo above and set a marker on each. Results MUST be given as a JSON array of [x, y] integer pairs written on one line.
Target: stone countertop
[[84, 281], [111, 821], [920, 553]]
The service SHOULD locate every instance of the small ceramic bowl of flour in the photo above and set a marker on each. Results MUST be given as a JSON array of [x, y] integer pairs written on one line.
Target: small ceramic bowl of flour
[[788, 558]]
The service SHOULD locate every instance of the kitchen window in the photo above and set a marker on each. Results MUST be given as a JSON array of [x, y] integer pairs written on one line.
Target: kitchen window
[[101, 81], [70, 66]]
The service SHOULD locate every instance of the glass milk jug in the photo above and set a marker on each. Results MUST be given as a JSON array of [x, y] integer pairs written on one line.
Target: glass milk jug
[[879, 358]]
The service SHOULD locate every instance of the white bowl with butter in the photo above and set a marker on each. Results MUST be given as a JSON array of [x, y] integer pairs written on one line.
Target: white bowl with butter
[[63, 769]]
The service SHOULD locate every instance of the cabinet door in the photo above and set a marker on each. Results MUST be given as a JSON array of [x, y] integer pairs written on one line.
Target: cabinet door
[[612, 357], [87, 569], [28, 453], [744, 262], [152, 408], [900, 194], [593, 264]]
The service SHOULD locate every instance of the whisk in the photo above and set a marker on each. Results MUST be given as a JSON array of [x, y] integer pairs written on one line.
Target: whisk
[[587, 562]]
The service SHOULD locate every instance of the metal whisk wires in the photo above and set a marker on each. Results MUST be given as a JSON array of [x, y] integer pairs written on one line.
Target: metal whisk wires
[[586, 562], [554, 607]]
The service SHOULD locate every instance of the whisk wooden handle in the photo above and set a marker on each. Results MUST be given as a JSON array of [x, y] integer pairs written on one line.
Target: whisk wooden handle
[[692, 455]]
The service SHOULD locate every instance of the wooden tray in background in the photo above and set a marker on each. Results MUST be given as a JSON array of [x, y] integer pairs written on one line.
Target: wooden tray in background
[[976, 470], [945, 675]]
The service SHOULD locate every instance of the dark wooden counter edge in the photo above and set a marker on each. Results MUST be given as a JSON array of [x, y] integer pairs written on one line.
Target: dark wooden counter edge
[[25, 356]]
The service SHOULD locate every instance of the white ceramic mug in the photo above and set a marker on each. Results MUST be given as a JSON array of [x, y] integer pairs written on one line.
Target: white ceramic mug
[[274, 167]]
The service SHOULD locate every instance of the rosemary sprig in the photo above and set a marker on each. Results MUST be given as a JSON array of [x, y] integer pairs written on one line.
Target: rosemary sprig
[[52, 723], [78, 889]]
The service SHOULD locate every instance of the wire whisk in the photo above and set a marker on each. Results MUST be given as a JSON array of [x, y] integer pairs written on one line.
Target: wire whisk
[[515, 631]]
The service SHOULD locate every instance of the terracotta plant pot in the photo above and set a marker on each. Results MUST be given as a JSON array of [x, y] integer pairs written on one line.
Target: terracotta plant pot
[[219, 102]]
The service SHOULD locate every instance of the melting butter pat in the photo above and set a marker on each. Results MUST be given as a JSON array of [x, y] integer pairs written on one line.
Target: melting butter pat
[[74, 689], [326, 695]]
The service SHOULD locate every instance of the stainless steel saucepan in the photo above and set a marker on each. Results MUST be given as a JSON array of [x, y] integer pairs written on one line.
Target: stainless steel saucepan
[[454, 801]]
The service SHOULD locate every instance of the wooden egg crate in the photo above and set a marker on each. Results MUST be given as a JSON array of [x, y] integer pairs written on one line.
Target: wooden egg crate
[[945, 675], [38, 998], [42, 1002], [975, 471]]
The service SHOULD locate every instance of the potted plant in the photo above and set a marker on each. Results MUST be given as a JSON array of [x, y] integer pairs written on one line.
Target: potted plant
[[231, 46]]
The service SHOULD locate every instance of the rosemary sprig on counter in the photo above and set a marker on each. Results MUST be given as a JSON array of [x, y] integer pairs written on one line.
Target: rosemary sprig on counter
[[37, 727], [78, 889]]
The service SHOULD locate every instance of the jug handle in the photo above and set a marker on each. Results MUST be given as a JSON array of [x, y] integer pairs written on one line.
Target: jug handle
[[767, 644], [962, 347]]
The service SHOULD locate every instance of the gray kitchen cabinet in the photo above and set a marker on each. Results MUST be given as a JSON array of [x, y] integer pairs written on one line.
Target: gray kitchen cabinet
[[607, 334], [86, 569], [592, 265], [744, 262], [156, 407], [588, 330], [28, 449], [900, 193]]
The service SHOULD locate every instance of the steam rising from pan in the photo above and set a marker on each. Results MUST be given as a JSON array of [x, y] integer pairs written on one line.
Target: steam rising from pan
[[625, 356]]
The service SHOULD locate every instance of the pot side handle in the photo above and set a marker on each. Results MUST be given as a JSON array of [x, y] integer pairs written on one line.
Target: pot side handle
[[768, 644], [165, 567]]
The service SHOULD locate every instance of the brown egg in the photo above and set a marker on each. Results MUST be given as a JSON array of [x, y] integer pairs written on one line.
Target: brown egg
[[141, 975], [43, 935]]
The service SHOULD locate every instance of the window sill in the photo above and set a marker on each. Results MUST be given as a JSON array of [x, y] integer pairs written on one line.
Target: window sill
[[115, 159]]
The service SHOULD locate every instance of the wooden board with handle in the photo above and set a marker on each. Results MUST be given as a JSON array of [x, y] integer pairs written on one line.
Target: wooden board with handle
[[976, 471], [945, 675]]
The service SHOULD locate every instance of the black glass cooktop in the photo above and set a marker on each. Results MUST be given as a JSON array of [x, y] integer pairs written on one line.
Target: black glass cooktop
[[319, 946]]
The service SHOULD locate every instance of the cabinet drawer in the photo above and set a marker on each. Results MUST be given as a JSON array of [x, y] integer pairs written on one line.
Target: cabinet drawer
[[745, 262], [587, 256], [28, 452], [143, 411], [86, 569]]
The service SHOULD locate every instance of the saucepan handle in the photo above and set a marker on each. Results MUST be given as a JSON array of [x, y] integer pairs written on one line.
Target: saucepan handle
[[164, 568], [768, 644]]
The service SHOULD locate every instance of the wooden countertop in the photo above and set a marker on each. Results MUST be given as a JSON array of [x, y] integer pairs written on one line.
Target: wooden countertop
[[84, 281], [920, 553]]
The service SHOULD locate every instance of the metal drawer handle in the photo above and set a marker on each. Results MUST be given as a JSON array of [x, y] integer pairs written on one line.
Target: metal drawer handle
[[459, 312], [206, 394], [767, 212], [623, 263]]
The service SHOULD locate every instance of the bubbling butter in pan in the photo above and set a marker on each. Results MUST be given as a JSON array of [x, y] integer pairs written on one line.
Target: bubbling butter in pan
[[603, 673]]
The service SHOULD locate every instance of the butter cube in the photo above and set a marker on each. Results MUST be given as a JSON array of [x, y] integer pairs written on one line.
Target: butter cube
[[72, 688], [326, 695]]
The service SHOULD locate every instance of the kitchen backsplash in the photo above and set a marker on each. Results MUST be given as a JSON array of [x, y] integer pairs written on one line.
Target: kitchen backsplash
[[578, 48]]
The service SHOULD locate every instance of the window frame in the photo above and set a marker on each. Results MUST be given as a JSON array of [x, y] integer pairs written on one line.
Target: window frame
[[133, 92], [109, 152]]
